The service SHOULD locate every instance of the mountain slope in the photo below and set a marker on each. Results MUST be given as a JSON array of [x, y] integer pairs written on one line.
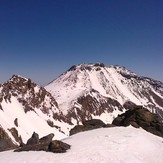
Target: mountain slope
[[95, 90], [118, 144], [25, 107]]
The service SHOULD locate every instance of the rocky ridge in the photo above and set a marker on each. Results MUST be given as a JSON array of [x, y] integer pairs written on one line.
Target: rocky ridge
[[23, 104]]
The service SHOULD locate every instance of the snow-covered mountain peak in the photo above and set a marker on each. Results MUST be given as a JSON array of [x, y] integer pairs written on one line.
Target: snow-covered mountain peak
[[83, 67], [100, 66], [17, 78], [83, 78], [73, 89]]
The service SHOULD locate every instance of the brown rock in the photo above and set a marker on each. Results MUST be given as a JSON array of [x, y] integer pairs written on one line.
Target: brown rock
[[88, 125], [140, 117], [58, 146]]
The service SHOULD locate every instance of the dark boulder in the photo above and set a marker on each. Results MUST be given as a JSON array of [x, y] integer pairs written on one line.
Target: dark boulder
[[140, 117], [88, 125], [128, 105], [43, 144], [79, 128], [34, 139], [58, 146]]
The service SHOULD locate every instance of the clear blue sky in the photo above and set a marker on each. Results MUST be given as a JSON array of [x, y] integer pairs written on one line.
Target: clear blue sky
[[40, 39]]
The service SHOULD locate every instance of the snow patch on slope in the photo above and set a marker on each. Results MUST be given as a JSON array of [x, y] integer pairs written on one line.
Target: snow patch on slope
[[106, 117]]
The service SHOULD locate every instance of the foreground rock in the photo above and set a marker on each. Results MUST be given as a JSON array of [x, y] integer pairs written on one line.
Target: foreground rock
[[140, 117], [57, 146], [89, 125], [44, 144]]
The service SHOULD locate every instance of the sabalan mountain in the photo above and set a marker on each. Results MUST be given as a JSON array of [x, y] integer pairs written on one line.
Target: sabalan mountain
[[84, 92], [88, 91]]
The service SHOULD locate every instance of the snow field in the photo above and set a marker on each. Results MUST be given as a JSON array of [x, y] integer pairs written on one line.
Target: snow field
[[105, 145]]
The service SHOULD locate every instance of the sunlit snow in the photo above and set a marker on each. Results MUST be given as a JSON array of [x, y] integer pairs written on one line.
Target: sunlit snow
[[105, 145]]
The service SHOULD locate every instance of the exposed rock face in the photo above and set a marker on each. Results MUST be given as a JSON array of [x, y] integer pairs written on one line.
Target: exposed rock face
[[87, 125], [91, 105], [28, 93], [140, 117], [15, 134], [44, 144], [5, 141]]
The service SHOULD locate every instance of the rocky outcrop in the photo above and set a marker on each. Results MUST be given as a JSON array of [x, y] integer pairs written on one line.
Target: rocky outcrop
[[140, 117], [5, 141], [44, 144], [88, 125]]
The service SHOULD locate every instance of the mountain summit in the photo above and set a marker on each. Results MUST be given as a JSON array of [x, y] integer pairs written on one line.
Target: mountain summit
[[87, 91]]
